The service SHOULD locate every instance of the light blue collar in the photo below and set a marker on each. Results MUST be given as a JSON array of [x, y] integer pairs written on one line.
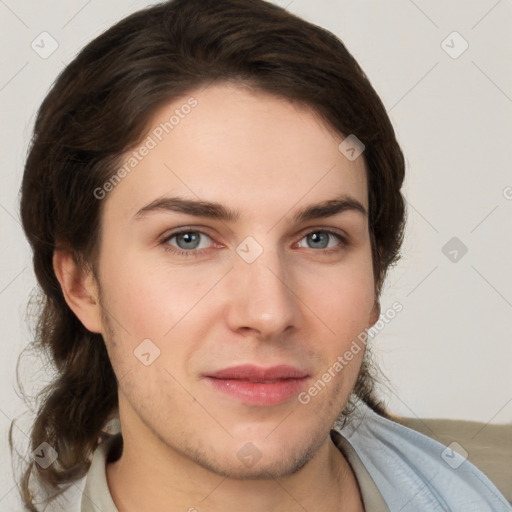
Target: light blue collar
[[416, 473]]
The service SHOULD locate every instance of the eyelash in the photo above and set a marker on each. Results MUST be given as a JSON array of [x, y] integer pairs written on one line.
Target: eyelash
[[197, 253]]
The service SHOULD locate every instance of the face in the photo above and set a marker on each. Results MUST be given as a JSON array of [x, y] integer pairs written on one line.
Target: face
[[190, 294]]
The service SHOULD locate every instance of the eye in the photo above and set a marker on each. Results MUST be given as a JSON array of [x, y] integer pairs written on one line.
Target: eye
[[186, 242], [320, 239]]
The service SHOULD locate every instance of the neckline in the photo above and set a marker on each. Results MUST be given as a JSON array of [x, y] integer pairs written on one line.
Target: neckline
[[372, 498]]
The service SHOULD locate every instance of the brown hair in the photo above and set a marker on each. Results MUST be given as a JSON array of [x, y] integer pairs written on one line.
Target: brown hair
[[100, 106]]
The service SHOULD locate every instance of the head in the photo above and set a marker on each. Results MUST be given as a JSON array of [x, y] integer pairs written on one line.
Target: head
[[188, 100]]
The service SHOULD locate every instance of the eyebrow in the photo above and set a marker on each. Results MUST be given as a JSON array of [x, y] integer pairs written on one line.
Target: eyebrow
[[217, 211]]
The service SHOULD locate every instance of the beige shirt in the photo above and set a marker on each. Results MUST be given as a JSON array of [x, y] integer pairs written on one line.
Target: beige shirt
[[96, 494]]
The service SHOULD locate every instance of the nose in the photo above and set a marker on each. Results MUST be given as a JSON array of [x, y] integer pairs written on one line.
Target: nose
[[262, 301]]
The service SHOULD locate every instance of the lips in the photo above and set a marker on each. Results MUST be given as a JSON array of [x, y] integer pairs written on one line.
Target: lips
[[255, 385], [259, 374]]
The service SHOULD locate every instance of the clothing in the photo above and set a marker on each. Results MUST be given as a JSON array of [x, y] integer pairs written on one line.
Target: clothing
[[397, 469], [416, 473]]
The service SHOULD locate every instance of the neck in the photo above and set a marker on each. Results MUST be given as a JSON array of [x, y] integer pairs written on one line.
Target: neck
[[172, 482]]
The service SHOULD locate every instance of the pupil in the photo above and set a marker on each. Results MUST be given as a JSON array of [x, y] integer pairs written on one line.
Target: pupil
[[188, 238], [316, 237]]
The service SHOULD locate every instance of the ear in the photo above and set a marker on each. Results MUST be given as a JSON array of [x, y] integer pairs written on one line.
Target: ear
[[79, 289], [375, 313]]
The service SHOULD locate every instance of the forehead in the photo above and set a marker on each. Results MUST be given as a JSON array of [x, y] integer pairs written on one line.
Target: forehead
[[246, 149]]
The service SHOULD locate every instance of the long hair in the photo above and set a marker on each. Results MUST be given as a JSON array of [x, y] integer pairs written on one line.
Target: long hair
[[100, 106]]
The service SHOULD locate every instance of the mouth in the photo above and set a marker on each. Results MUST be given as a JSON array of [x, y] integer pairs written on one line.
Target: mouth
[[254, 385]]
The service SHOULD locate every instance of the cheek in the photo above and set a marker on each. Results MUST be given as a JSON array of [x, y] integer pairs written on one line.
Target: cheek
[[166, 307], [345, 307], [346, 298], [148, 300]]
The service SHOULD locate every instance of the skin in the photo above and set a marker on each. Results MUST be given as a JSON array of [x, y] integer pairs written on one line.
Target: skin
[[266, 158]]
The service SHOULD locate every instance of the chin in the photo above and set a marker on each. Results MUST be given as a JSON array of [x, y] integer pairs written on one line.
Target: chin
[[248, 462], [259, 470]]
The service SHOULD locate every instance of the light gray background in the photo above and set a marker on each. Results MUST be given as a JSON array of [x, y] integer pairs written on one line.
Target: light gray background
[[449, 352]]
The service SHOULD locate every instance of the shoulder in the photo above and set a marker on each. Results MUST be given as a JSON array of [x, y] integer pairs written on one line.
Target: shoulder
[[487, 446], [415, 472]]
